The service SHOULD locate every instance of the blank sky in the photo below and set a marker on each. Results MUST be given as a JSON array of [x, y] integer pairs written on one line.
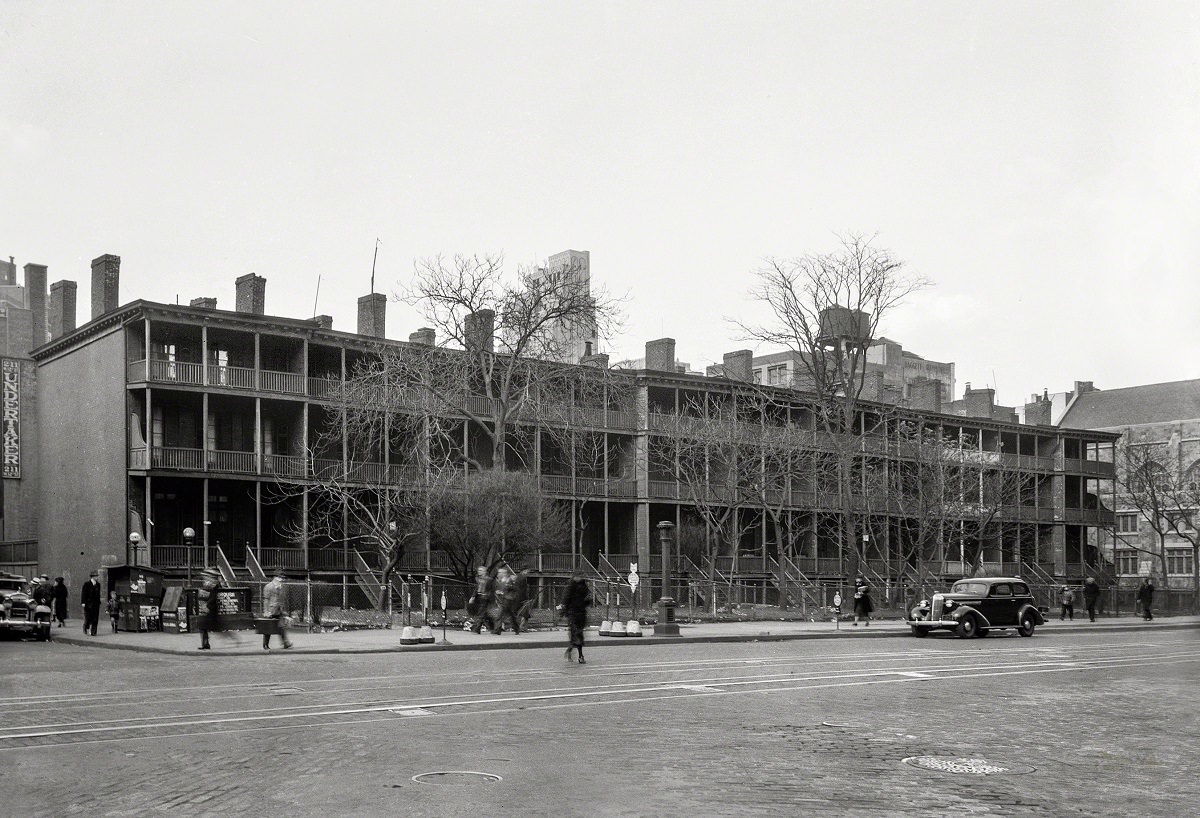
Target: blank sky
[[1037, 161]]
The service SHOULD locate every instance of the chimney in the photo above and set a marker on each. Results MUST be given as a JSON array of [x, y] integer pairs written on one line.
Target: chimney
[[425, 335], [1081, 387], [479, 329], [738, 365], [873, 385], [978, 403], [204, 303], [106, 284], [62, 308], [251, 294], [1038, 413], [599, 360], [323, 321], [925, 394], [372, 311], [8, 272], [35, 299], [660, 355]]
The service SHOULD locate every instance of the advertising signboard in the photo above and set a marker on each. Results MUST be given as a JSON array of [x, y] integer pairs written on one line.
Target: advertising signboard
[[10, 416]]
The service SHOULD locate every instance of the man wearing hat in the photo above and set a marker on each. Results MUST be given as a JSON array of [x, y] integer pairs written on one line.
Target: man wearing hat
[[273, 609], [90, 598]]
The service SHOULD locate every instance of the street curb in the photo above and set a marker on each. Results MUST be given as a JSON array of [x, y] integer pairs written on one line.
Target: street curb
[[510, 644]]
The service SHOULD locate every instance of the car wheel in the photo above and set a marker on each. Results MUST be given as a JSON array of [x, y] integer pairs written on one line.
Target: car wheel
[[982, 632], [1027, 625], [967, 627], [920, 633]]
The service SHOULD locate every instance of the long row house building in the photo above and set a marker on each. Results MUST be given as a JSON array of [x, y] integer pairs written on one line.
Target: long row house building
[[159, 419]]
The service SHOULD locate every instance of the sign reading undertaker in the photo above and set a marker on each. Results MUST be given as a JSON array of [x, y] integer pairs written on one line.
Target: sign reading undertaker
[[10, 416]]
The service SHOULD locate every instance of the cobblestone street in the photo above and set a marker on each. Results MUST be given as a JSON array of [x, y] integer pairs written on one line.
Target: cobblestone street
[[1065, 724]]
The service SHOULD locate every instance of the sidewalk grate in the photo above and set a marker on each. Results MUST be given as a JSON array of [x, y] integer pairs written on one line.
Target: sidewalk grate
[[966, 766]]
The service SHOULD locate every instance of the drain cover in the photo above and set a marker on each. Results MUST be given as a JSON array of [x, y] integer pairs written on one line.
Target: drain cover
[[457, 777], [967, 766]]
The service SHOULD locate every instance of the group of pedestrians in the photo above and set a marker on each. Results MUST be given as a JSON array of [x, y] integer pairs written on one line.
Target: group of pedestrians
[[500, 596]]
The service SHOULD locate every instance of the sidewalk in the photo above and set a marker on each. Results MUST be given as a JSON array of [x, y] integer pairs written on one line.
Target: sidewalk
[[388, 641]]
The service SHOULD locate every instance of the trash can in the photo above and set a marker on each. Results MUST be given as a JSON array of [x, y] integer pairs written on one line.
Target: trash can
[[667, 626]]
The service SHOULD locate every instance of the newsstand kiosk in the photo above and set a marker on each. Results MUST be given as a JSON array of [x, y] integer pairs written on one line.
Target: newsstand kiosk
[[139, 592]]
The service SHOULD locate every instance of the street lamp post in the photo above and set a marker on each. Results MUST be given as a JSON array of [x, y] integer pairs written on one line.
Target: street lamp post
[[189, 537], [134, 539]]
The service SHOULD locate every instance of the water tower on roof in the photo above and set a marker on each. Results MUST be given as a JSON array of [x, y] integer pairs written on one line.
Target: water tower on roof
[[844, 328]]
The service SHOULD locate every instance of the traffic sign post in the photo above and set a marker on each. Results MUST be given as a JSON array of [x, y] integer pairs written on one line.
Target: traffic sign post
[[837, 611], [444, 641], [634, 579]]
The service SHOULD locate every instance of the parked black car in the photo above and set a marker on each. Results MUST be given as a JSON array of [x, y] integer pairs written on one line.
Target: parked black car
[[975, 607]]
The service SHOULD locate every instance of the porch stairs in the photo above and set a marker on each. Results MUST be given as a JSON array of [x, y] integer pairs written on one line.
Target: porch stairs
[[240, 575], [366, 579], [798, 589]]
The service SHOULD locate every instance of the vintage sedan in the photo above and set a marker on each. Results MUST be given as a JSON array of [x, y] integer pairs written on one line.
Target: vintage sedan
[[19, 614], [977, 606]]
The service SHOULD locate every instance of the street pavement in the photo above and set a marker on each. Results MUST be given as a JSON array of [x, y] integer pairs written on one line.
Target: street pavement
[[383, 640]]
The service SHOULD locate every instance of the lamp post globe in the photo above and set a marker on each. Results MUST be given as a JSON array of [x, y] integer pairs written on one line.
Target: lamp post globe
[[189, 537], [134, 539]]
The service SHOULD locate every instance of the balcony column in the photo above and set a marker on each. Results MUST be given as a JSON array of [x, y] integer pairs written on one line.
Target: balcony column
[[257, 363], [304, 525], [148, 350], [149, 430], [149, 529], [204, 354], [258, 436], [258, 521], [204, 453], [206, 522]]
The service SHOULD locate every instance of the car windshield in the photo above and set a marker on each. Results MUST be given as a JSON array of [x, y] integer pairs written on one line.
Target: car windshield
[[970, 588]]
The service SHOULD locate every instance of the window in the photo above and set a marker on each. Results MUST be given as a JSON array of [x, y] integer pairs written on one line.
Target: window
[[776, 375], [1020, 589], [1127, 562], [1002, 589], [1179, 561], [757, 376], [1127, 523]]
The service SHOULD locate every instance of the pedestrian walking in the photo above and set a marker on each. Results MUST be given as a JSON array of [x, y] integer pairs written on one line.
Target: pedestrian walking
[[113, 609], [273, 610], [59, 594], [1066, 601], [1091, 595], [507, 602], [89, 597], [210, 603], [862, 602], [41, 591], [480, 604], [1145, 598], [576, 599]]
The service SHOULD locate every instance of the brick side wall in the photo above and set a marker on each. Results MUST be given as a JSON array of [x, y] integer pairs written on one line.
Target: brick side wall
[[83, 502]]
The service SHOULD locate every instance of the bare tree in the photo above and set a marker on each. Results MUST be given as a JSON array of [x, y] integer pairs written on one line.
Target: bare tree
[[1149, 479], [1183, 519], [513, 332], [827, 309], [496, 517]]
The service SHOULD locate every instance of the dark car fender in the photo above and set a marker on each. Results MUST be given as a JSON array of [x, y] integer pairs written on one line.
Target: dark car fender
[[963, 609], [1038, 619]]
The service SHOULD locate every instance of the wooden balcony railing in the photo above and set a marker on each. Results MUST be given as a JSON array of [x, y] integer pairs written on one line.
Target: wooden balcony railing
[[324, 469], [287, 558], [282, 465], [176, 372], [230, 461], [366, 472], [283, 382], [234, 377], [324, 388], [163, 457], [135, 371]]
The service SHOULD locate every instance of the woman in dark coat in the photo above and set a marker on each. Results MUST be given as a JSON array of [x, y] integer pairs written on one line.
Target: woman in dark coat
[[1145, 598], [59, 594], [862, 602], [576, 599]]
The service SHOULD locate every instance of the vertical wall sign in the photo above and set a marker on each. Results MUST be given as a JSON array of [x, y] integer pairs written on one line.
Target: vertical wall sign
[[10, 416]]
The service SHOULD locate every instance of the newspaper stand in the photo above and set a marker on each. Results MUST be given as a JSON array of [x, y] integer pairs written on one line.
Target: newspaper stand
[[139, 593]]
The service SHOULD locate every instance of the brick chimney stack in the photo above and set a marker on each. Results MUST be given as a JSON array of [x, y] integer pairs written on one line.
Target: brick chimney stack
[[62, 308], [251, 294], [8, 272], [324, 321], [978, 403], [425, 335], [204, 303], [106, 284], [35, 297], [372, 314], [480, 328], [925, 394], [598, 360], [738, 365], [660, 355]]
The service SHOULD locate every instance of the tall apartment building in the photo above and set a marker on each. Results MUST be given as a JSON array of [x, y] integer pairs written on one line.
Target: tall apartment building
[[577, 340]]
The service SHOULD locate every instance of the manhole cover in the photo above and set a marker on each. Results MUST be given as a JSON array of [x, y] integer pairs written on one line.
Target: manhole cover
[[286, 691], [457, 777], [967, 766]]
